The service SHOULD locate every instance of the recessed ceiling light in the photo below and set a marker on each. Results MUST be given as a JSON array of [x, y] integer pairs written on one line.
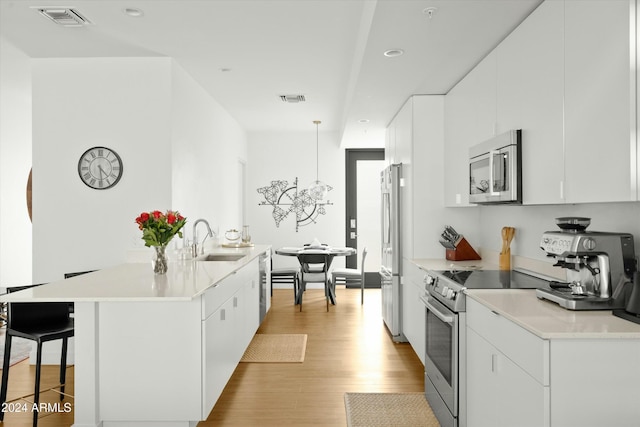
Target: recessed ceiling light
[[363, 121], [430, 11], [225, 70], [133, 12], [392, 53]]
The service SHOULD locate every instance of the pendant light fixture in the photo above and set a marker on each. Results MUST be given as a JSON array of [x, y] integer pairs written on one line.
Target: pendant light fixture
[[318, 190]]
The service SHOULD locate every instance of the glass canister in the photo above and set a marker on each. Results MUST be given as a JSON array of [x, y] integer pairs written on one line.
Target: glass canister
[[246, 237]]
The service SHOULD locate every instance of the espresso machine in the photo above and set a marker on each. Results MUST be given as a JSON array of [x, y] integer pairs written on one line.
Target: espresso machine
[[599, 266]]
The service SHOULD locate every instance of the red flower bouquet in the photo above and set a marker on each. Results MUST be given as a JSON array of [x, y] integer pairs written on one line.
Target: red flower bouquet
[[159, 228]]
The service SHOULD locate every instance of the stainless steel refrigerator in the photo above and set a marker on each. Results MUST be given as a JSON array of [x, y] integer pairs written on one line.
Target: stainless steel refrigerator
[[391, 267]]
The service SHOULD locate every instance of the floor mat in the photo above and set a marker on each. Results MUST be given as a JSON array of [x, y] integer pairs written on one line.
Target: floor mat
[[276, 348], [388, 409]]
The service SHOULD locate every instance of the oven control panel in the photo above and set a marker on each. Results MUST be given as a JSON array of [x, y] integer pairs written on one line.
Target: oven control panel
[[438, 288]]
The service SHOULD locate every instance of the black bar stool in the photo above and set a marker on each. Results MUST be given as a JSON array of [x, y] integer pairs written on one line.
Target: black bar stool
[[40, 322]]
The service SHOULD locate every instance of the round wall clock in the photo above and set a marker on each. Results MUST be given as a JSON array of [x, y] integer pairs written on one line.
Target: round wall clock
[[100, 168]]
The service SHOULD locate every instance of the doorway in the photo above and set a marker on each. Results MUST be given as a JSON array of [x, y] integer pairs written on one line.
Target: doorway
[[363, 209]]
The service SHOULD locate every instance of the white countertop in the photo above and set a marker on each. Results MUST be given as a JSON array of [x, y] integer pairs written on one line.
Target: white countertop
[[550, 321], [490, 261], [184, 281], [445, 264]]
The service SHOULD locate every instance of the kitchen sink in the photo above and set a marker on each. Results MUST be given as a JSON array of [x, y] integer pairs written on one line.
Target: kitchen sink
[[222, 257]]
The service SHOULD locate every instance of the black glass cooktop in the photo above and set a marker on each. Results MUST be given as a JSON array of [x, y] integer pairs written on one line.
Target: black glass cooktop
[[494, 279]]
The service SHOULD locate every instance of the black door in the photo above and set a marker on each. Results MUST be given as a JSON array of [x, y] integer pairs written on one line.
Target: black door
[[365, 164]]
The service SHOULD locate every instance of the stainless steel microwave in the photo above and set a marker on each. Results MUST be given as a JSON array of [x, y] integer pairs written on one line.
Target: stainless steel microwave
[[495, 170]]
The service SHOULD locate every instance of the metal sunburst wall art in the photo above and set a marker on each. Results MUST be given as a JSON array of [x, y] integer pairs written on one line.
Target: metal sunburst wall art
[[286, 199]]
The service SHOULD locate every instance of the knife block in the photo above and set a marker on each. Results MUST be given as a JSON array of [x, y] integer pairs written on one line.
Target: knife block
[[462, 252]]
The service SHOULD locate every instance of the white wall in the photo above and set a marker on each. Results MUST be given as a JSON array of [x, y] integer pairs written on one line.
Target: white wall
[[15, 163], [531, 221], [180, 150], [285, 156], [120, 103], [208, 145]]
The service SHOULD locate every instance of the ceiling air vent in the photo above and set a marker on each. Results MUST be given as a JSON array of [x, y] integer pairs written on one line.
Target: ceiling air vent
[[65, 17], [292, 98]]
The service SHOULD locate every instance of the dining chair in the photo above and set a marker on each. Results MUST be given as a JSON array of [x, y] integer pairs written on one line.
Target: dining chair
[[40, 322], [314, 268], [286, 275], [351, 275]]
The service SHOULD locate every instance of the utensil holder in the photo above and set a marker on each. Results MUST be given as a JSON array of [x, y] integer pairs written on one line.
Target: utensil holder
[[462, 252]]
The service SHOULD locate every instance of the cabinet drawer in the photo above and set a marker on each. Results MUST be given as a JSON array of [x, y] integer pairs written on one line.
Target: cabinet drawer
[[215, 296], [525, 349], [501, 393]]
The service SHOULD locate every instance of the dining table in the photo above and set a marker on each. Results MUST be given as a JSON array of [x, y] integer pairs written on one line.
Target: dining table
[[331, 251]]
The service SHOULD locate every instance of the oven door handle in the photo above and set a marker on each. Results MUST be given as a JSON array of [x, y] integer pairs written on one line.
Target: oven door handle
[[444, 317]]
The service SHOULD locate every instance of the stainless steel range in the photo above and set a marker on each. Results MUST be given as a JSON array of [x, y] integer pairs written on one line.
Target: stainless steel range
[[445, 359]]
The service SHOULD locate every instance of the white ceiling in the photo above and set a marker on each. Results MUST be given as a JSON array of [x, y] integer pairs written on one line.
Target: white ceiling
[[331, 51]]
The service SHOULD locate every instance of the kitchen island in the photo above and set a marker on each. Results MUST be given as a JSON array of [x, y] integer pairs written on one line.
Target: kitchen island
[[158, 350], [534, 363]]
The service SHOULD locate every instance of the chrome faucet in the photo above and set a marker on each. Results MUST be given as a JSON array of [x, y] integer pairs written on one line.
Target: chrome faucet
[[194, 247]]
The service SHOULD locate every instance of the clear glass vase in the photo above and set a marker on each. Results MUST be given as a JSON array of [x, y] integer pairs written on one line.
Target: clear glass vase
[[160, 260]]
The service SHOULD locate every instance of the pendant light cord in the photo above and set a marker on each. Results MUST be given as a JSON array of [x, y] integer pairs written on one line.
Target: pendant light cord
[[317, 122]]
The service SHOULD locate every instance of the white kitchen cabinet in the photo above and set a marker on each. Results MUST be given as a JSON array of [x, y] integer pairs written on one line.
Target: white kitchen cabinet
[[515, 377], [413, 310], [403, 123], [457, 137], [503, 394], [584, 395], [227, 331], [145, 349], [566, 76], [530, 84], [398, 136], [419, 137], [507, 372], [218, 352], [178, 354], [598, 101], [470, 118], [251, 304], [390, 144]]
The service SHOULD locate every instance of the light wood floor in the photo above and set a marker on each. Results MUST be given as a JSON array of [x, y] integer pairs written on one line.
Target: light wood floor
[[22, 382], [348, 350]]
